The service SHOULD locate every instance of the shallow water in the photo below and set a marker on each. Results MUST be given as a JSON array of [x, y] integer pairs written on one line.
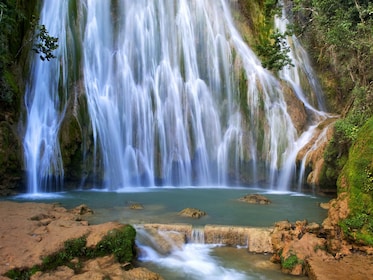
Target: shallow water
[[197, 261], [161, 205]]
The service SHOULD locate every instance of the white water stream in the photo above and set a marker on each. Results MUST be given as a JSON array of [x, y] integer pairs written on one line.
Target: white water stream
[[196, 260]]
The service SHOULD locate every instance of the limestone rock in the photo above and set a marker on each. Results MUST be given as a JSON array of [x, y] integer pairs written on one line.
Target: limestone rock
[[192, 213], [165, 241], [255, 199], [82, 210], [257, 240], [135, 206], [141, 273]]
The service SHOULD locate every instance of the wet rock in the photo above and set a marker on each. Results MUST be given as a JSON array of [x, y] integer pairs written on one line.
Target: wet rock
[[257, 240], [82, 210], [192, 213], [165, 241], [255, 199], [135, 205], [325, 205]]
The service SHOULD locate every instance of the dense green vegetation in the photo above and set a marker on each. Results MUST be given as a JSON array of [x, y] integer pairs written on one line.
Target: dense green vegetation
[[119, 242], [15, 19], [269, 43], [339, 35], [357, 180]]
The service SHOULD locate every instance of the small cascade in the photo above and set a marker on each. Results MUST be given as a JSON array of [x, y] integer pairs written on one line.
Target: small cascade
[[197, 235], [188, 261], [320, 140], [303, 81]]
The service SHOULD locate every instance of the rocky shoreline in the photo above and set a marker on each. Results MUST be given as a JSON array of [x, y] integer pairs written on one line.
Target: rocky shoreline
[[31, 231]]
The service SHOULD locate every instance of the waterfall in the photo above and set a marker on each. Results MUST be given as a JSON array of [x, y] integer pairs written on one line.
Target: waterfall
[[302, 80], [175, 97], [45, 108]]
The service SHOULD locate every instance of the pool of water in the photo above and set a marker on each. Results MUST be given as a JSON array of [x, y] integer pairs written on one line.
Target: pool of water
[[162, 205]]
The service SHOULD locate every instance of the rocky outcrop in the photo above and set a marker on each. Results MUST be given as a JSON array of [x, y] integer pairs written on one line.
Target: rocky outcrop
[[192, 213], [294, 244], [257, 240], [309, 249], [135, 205], [255, 199], [30, 232], [314, 151], [295, 108], [166, 238], [100, 268]]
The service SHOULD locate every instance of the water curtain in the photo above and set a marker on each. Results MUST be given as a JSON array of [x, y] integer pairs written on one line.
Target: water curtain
[[175, 97]]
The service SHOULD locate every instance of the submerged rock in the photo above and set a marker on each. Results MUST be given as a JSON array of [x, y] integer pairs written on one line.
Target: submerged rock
[[255, 199], [192, 213], [135, 206]]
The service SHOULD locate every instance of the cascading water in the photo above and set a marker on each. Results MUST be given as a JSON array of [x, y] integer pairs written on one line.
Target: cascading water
[[175, 97], [303, 82], [45, 107]]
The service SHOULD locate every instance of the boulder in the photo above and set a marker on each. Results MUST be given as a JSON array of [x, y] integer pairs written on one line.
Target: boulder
[[82, 210], [192, 213], [135, 206], [255, 199]]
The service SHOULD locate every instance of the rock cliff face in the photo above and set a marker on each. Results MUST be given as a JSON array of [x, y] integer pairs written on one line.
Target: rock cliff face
[[10, 159]]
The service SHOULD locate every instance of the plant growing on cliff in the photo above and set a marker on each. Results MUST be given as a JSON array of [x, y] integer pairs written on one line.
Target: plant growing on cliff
[[274, 51], [44, 44], [290, 262]]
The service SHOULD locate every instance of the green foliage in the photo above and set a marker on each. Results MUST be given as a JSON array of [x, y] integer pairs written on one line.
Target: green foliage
[[345, 134], [272, 45], [18, 31], [274, 51], [44, 43], [10, 18], [357, 180], [72, 248], [269, 44], [290, 262], [18, 274], [340, 35], [368, 182], [118, 242]]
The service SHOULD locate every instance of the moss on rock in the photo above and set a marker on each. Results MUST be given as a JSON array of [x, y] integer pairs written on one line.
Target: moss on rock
[[356, 179]]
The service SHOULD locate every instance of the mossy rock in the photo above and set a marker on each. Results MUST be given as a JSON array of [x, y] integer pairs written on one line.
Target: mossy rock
[[10, 159], [357, 180]]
